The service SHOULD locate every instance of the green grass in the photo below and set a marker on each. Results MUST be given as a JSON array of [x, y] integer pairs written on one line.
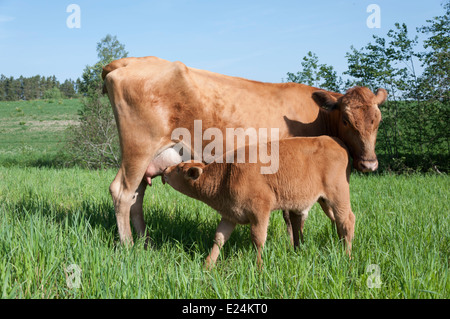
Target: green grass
[[50, 219], [32, 132]]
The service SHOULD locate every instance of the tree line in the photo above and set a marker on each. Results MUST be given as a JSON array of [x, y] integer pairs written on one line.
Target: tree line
[[36, 87], [41, 87]]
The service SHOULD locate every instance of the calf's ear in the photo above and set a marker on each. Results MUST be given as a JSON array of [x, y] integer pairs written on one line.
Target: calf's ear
[[325, 99], [194, 172]]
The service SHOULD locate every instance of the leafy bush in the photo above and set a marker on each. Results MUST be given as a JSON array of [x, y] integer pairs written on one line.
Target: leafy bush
[[94, 143], [53, 94]]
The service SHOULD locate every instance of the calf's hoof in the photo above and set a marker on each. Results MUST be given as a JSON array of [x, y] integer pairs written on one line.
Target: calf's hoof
[[209, 263]]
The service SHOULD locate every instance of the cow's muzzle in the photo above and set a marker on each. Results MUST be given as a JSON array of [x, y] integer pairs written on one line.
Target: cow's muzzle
[[365, 166]]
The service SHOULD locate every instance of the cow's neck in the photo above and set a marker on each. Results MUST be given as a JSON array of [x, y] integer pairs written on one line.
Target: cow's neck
[[330, 121]]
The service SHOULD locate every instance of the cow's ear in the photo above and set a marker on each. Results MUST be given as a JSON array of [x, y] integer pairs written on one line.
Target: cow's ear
[[325, 99], [194, 172], [380, 96]]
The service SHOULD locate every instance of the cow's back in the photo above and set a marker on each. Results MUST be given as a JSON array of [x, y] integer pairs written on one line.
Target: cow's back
[[177, 95]]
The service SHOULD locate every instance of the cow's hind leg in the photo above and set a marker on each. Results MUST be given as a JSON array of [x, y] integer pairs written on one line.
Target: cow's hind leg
[[127, 191]]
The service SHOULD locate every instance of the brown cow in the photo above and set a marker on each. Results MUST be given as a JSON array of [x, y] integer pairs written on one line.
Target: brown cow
[[310, 169], [151, 97]]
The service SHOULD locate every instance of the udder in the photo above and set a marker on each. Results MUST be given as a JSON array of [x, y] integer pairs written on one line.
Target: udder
[[168, 157]]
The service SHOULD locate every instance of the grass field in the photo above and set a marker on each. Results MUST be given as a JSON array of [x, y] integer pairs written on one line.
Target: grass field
[[32, 132], [55, 219]]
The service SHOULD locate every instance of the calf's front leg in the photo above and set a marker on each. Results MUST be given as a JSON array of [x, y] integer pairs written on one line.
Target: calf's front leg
[[223, 232]]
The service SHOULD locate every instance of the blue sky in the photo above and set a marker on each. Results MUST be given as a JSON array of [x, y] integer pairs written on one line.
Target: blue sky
[[260, 40]]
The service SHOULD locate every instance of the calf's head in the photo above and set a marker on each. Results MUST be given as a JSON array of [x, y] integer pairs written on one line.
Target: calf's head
[[182, 176], [358, 117]]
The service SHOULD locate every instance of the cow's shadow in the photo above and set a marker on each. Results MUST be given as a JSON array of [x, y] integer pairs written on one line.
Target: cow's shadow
[[297, 128], [175, 228], [96, 214], [168, 228], [194, 234]]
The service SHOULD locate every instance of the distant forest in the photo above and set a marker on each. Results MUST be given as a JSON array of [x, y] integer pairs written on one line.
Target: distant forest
[[36, 87]]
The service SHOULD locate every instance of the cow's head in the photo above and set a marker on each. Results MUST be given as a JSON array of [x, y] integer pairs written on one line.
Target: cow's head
[[358, 118]]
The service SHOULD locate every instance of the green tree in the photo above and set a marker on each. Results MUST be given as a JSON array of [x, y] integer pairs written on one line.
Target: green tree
[[108, 49], [53, 94], [436, 75], [35, 87], [315, 74], [67, 88], [13, 89], [94, 143], [28, 89], [435, 81], [2, 87], [372, 65]]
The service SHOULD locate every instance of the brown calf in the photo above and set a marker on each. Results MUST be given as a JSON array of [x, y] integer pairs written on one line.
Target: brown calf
[[310, 169]]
